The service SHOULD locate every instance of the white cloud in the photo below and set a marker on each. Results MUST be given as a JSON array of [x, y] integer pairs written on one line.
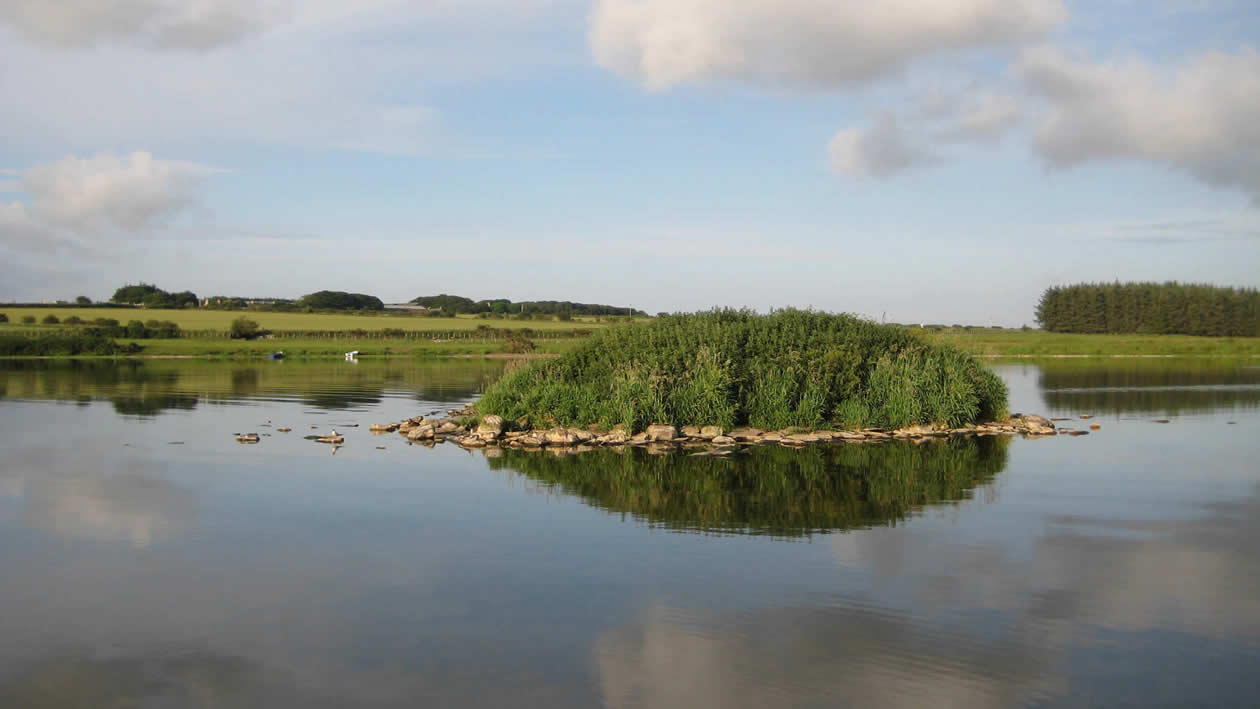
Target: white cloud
[[879, 151], [1202, 116], [663, 43], [327, 74], [131, 193], [987, 118], [165, 24], [77, 197]]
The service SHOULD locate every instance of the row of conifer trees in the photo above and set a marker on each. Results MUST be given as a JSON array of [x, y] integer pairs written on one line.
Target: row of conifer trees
[[1156, 308]]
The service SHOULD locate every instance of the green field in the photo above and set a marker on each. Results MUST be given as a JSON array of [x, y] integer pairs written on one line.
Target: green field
[[204, 319], [1037, 343], [331, 334]]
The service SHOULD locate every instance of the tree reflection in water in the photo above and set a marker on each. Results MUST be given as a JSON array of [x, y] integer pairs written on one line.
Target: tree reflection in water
[[771, 489]]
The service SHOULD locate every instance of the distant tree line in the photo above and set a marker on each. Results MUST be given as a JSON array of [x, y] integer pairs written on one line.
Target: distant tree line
[[455, 304], [150, 296], [1154, 308], [339, 300]]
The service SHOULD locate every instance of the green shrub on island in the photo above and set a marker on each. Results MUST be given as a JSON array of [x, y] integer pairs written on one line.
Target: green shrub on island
[[4, 318], [62, 345], [791, 368], [51, 319]]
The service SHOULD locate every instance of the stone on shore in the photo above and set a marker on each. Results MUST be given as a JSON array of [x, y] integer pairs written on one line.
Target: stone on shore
[[490, 427], [661, 432]]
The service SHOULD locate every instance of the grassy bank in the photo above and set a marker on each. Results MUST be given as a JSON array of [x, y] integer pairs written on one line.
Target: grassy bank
[[789, 369], [336, 347], [1038, 343], [205, 333]]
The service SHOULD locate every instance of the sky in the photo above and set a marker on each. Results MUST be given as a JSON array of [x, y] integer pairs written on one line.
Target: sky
[[939, 161]]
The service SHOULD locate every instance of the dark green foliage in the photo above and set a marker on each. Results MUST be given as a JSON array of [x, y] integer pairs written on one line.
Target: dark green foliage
[[771, 489], [4, 318], [789, 369], [28, 319], [61, 345], [51, 319], [73, 320], [134, 329], [83, 300], [339, 300], [134, 293], [276, 305], [245, 329], [150, 296], [564, 309], [1151, 308]]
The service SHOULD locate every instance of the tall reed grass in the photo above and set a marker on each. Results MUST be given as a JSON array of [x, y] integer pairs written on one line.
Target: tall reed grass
[[792, 368]]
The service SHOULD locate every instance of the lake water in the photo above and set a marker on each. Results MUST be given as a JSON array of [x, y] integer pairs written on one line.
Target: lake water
[[147, 559]]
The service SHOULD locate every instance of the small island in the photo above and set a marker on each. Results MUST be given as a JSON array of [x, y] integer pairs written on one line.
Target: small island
[[732, 377]]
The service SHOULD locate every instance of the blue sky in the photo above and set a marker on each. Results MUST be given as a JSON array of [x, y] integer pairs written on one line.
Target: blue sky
[[939, 161]]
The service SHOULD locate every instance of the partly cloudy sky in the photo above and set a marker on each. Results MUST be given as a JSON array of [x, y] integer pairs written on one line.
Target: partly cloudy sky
[[919, 160]]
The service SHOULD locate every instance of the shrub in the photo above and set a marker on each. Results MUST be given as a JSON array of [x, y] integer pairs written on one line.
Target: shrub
[[789, 369], [4, 318], [83, 300], [51, 319], [73, 320], [518, 345], [28, 319], [136, 330], [245, 329], [64, 345]]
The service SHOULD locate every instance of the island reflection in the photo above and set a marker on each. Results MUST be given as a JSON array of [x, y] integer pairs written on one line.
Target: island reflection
[[771, 490]]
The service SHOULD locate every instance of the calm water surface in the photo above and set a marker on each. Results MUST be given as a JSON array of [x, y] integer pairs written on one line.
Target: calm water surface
[[149, 560]]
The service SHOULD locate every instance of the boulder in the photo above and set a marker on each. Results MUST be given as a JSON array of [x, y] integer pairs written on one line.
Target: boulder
[[420, 433], [1037, 425], [746, 434], [559, 437], [616, 438], [491, 426], [723, 440], [661, 432], [448, 427], [691, 431], [711, 432]]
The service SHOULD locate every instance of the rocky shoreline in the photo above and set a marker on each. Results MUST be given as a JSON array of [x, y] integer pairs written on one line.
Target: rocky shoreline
[[494, 432]]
